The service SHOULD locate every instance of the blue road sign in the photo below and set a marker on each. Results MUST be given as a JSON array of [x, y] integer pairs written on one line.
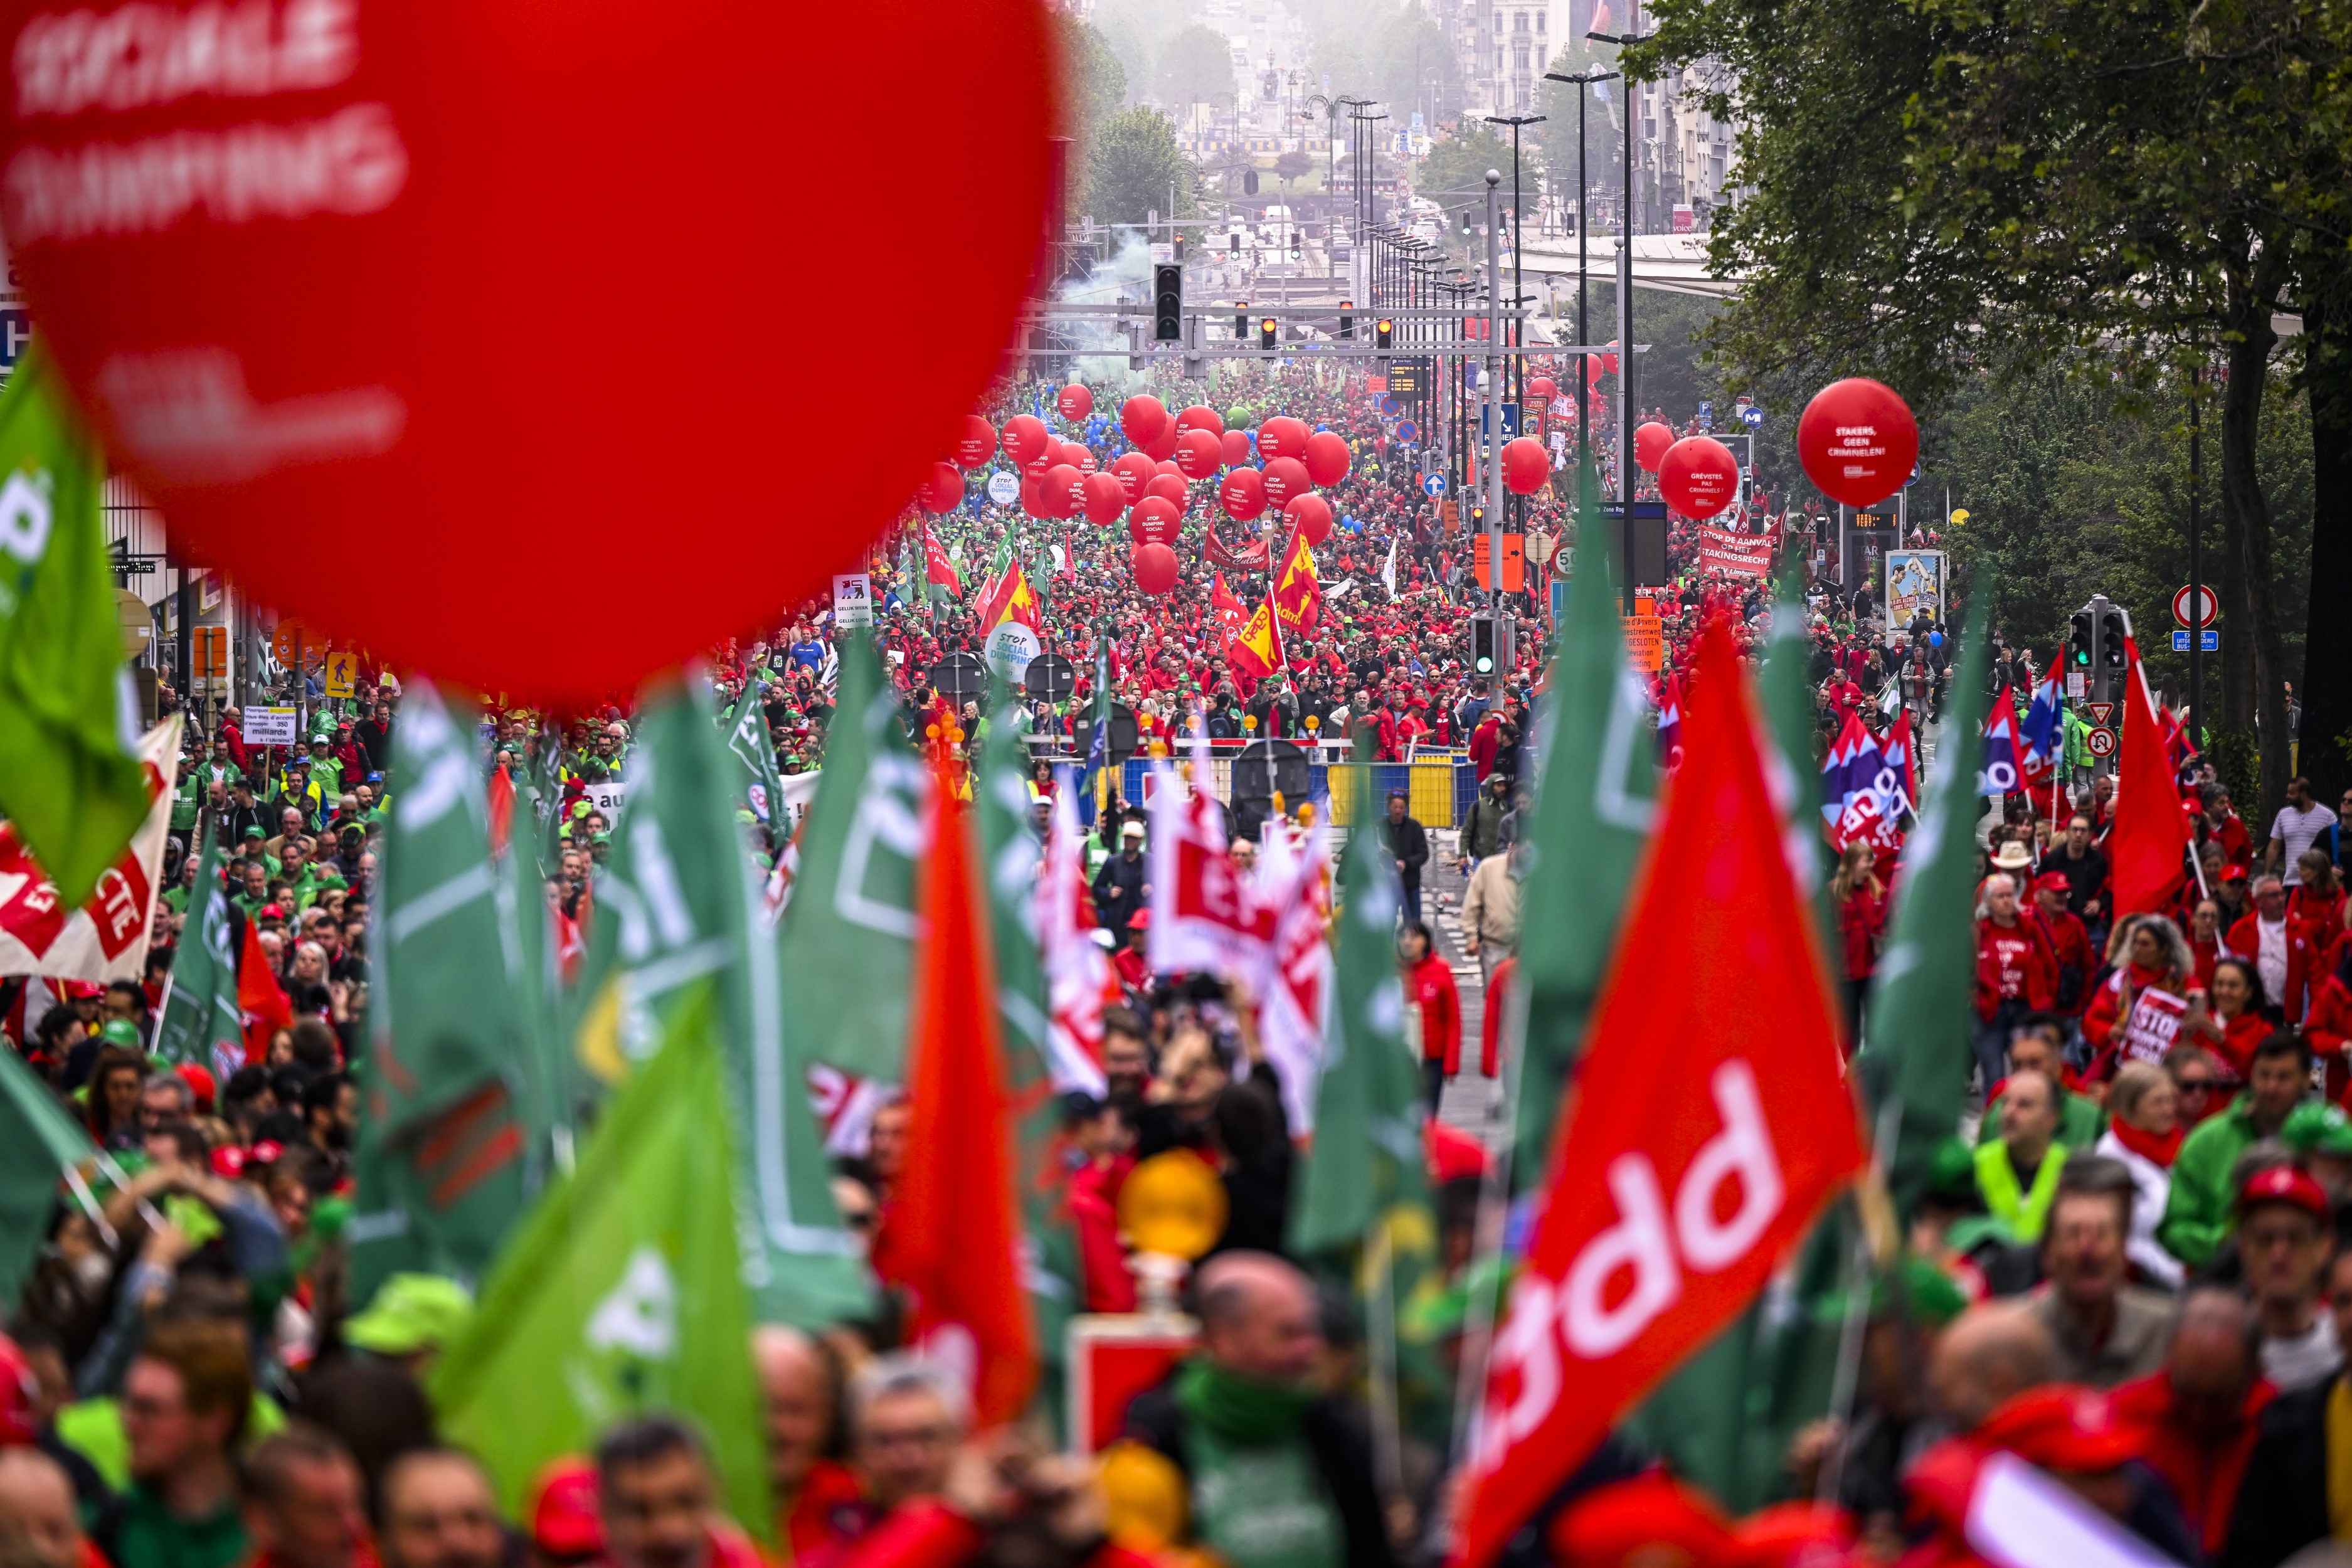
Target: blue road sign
[[1433, 484], [1407, 432], [2210, 637], [1752, 415], [1391, 407]]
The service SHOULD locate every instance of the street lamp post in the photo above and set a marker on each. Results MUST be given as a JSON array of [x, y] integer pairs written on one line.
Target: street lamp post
[[1626, 313], [1582, 80], [1516, 368], [1493, 417]]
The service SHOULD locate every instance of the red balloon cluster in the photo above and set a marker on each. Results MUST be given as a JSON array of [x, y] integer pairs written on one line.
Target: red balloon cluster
[[1525, 466], [941, 491], [1858, 441], [1155, 568], [1649, 443], [1074, 401], [1699, 476], [1326, 456], [976, 444]]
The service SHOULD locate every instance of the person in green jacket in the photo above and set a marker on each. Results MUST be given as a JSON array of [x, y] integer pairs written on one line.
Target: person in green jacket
[[2017, 1174], [2078, 745], [2197, 1214]]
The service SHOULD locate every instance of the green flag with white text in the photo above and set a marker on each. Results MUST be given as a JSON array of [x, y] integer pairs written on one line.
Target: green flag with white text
[[202, 1022], [445, 1163], [1790, 718], [71, 780], [1594, 804], [623, 1291], [749, 741]]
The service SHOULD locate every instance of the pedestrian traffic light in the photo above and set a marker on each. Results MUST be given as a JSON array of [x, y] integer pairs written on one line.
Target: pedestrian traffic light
[[1168, 304], [1241, 320], [1465, 223], [1265, 333], [2113, 655], [1347, 322], [1484, 654], [2078, 641], [1294, 242], [1383, 332]]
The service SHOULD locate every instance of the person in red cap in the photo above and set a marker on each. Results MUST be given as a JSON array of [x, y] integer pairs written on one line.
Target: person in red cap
[[2284, 1237], [1131, 962], [567, 1528], [2069, 939]]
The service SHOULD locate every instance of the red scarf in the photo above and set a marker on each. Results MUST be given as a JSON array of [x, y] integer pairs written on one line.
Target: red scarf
[[2161, 1151]]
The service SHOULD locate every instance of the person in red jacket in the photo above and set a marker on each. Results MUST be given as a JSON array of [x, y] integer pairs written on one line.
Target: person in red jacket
[[2015, 973], [1859, 899], [1490, 1021], [2205, 939], [2070, 943], [2150, 954], [2199, 1422], [1429, 985], [2279, 947], [2329, 1026], [2230, 1018]]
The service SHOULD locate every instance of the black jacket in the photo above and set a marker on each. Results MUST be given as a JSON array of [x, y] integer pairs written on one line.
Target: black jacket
[[1119, 892], [1407, 841], [1337, 1437], [2282, 1503]]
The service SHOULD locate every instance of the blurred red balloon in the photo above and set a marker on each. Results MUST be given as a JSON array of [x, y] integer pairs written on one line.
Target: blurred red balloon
[[1133, 470], [1326, 457], [942, 491], [1154, 521], [1311, 515], [1199, 416], [976, 445], [1105, 499], [1024, 439], [1235, 446], [1161, 447], [1074, 453], [1282, 437], [1034, 497], [1858, 441], [1699, 476], [1143, 418], [1060, 489], [1155, 568], [1525, 466], [1649, 443], [1540, 389], [1198, 454], [1284, 478], [1074, 401], [1035, 466], [1171, 488], [1243, 494]]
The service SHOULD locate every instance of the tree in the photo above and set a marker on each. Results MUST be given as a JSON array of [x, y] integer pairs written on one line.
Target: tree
[[1453, 175], [1131, 164], [1291, 165], [1097, 80], [1196, 67]]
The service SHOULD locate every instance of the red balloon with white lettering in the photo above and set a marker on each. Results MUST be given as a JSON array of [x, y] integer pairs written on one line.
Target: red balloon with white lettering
[[1649, 443], [1699, 476], [1327, 456], [1243, 494], [1154, 521], [976, 445], [1282, 437], [1133, 470], [1284, 478], [1525, 466], [1074, 401], [1063, 489], [1024, 439], [1199, 453], [1155, 568], [1199, 416], [1104, 497], [1858, 441]]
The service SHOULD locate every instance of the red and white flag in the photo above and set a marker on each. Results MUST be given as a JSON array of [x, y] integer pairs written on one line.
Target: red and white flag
[[1079, 981], [1294, 989], [1204, 918], [1709, 1124], [105, 939]]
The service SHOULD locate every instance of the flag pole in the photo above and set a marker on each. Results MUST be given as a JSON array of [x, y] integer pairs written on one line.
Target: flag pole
[[1877, 1215], [1387, 1442]]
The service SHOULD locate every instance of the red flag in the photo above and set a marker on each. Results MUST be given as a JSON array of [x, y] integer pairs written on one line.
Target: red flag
[[502, 792], [952, 1238], [263, 1005], [1709, 1125], [2150, 838], [1296, 592]]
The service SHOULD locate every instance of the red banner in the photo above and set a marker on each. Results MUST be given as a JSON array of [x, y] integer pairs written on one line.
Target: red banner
[[1740, 554]]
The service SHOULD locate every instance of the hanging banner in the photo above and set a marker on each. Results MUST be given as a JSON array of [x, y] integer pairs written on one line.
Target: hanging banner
[[1736, 554], [1914, 586]]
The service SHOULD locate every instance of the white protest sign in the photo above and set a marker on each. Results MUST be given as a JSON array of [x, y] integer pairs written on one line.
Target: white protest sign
[[853, 600], [269, 726]]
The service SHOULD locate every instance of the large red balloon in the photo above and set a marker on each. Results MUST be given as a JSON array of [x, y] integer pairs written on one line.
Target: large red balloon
[[1171, 488], [942, 490], [1649, 443], [1143, 418], [1540, 389], [1197, 453], [1310, 514], [1133, 472], [978, 442], [1074, 401], [1035, 466], [1161, 446], [1525, 466], [1154, 521], [1235, 446], [1326, 457], [1063, 490], [1858, 441], [1243, 494], [1024, 439], [1284, 478], [1155, 568], [1036, 499], [357, 244], [1103, 499], [1699, 476], [1282, 437], [1199, 416]]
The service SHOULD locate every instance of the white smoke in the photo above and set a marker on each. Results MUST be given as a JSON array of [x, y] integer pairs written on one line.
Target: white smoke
[[1124, 279]]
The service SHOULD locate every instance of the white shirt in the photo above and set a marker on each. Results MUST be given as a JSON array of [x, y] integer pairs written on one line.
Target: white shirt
[[2297, 829], [2307, 1360], [2270, 956]]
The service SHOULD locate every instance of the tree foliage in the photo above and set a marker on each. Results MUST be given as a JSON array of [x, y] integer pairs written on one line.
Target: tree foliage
[[1097, 79], [1130, 165], [1196, 65]]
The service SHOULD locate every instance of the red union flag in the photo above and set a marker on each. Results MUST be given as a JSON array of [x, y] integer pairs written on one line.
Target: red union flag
[[1298, 592], [105, 939], [1205, 917], [1710, 1123]]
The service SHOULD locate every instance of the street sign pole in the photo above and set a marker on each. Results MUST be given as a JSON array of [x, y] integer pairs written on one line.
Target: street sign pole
[[2195, 560]]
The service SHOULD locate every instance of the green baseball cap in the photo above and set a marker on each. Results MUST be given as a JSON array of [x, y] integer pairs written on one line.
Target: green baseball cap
[[412, 1312], [2315, 1127], [122, 1032]]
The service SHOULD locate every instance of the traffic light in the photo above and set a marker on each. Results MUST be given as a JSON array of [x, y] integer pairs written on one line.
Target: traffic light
[[1265, 333], [1235, 247], [1383, 332], [2078, 642], [1241, 320], [1294, 242], [1347, 322], [1465, 223], [1485, 654], [1249, 182], [1168, 304], [2112, 633]]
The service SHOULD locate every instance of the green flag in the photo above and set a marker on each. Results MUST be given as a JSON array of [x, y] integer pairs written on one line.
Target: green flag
[[71, 779], [1593, 809], [750, 741], [1012, 853], [445, 1164], [553, 1096], [623, 1292], [1916, 1051], [201, 1014], [848, 939], [1790, 710], [679, 903], [1364, 1202], [40, 1141]]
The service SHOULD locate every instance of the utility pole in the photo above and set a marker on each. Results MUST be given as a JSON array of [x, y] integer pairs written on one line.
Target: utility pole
[[1493, 413], [2196, 553], [1625, 465], [1583, 327]]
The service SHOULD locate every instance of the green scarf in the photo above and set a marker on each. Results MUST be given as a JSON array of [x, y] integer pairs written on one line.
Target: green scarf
[[1240, 1409]]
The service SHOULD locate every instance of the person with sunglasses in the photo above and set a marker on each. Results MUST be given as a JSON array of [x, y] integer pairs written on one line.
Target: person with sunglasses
[[2196, 1080]]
